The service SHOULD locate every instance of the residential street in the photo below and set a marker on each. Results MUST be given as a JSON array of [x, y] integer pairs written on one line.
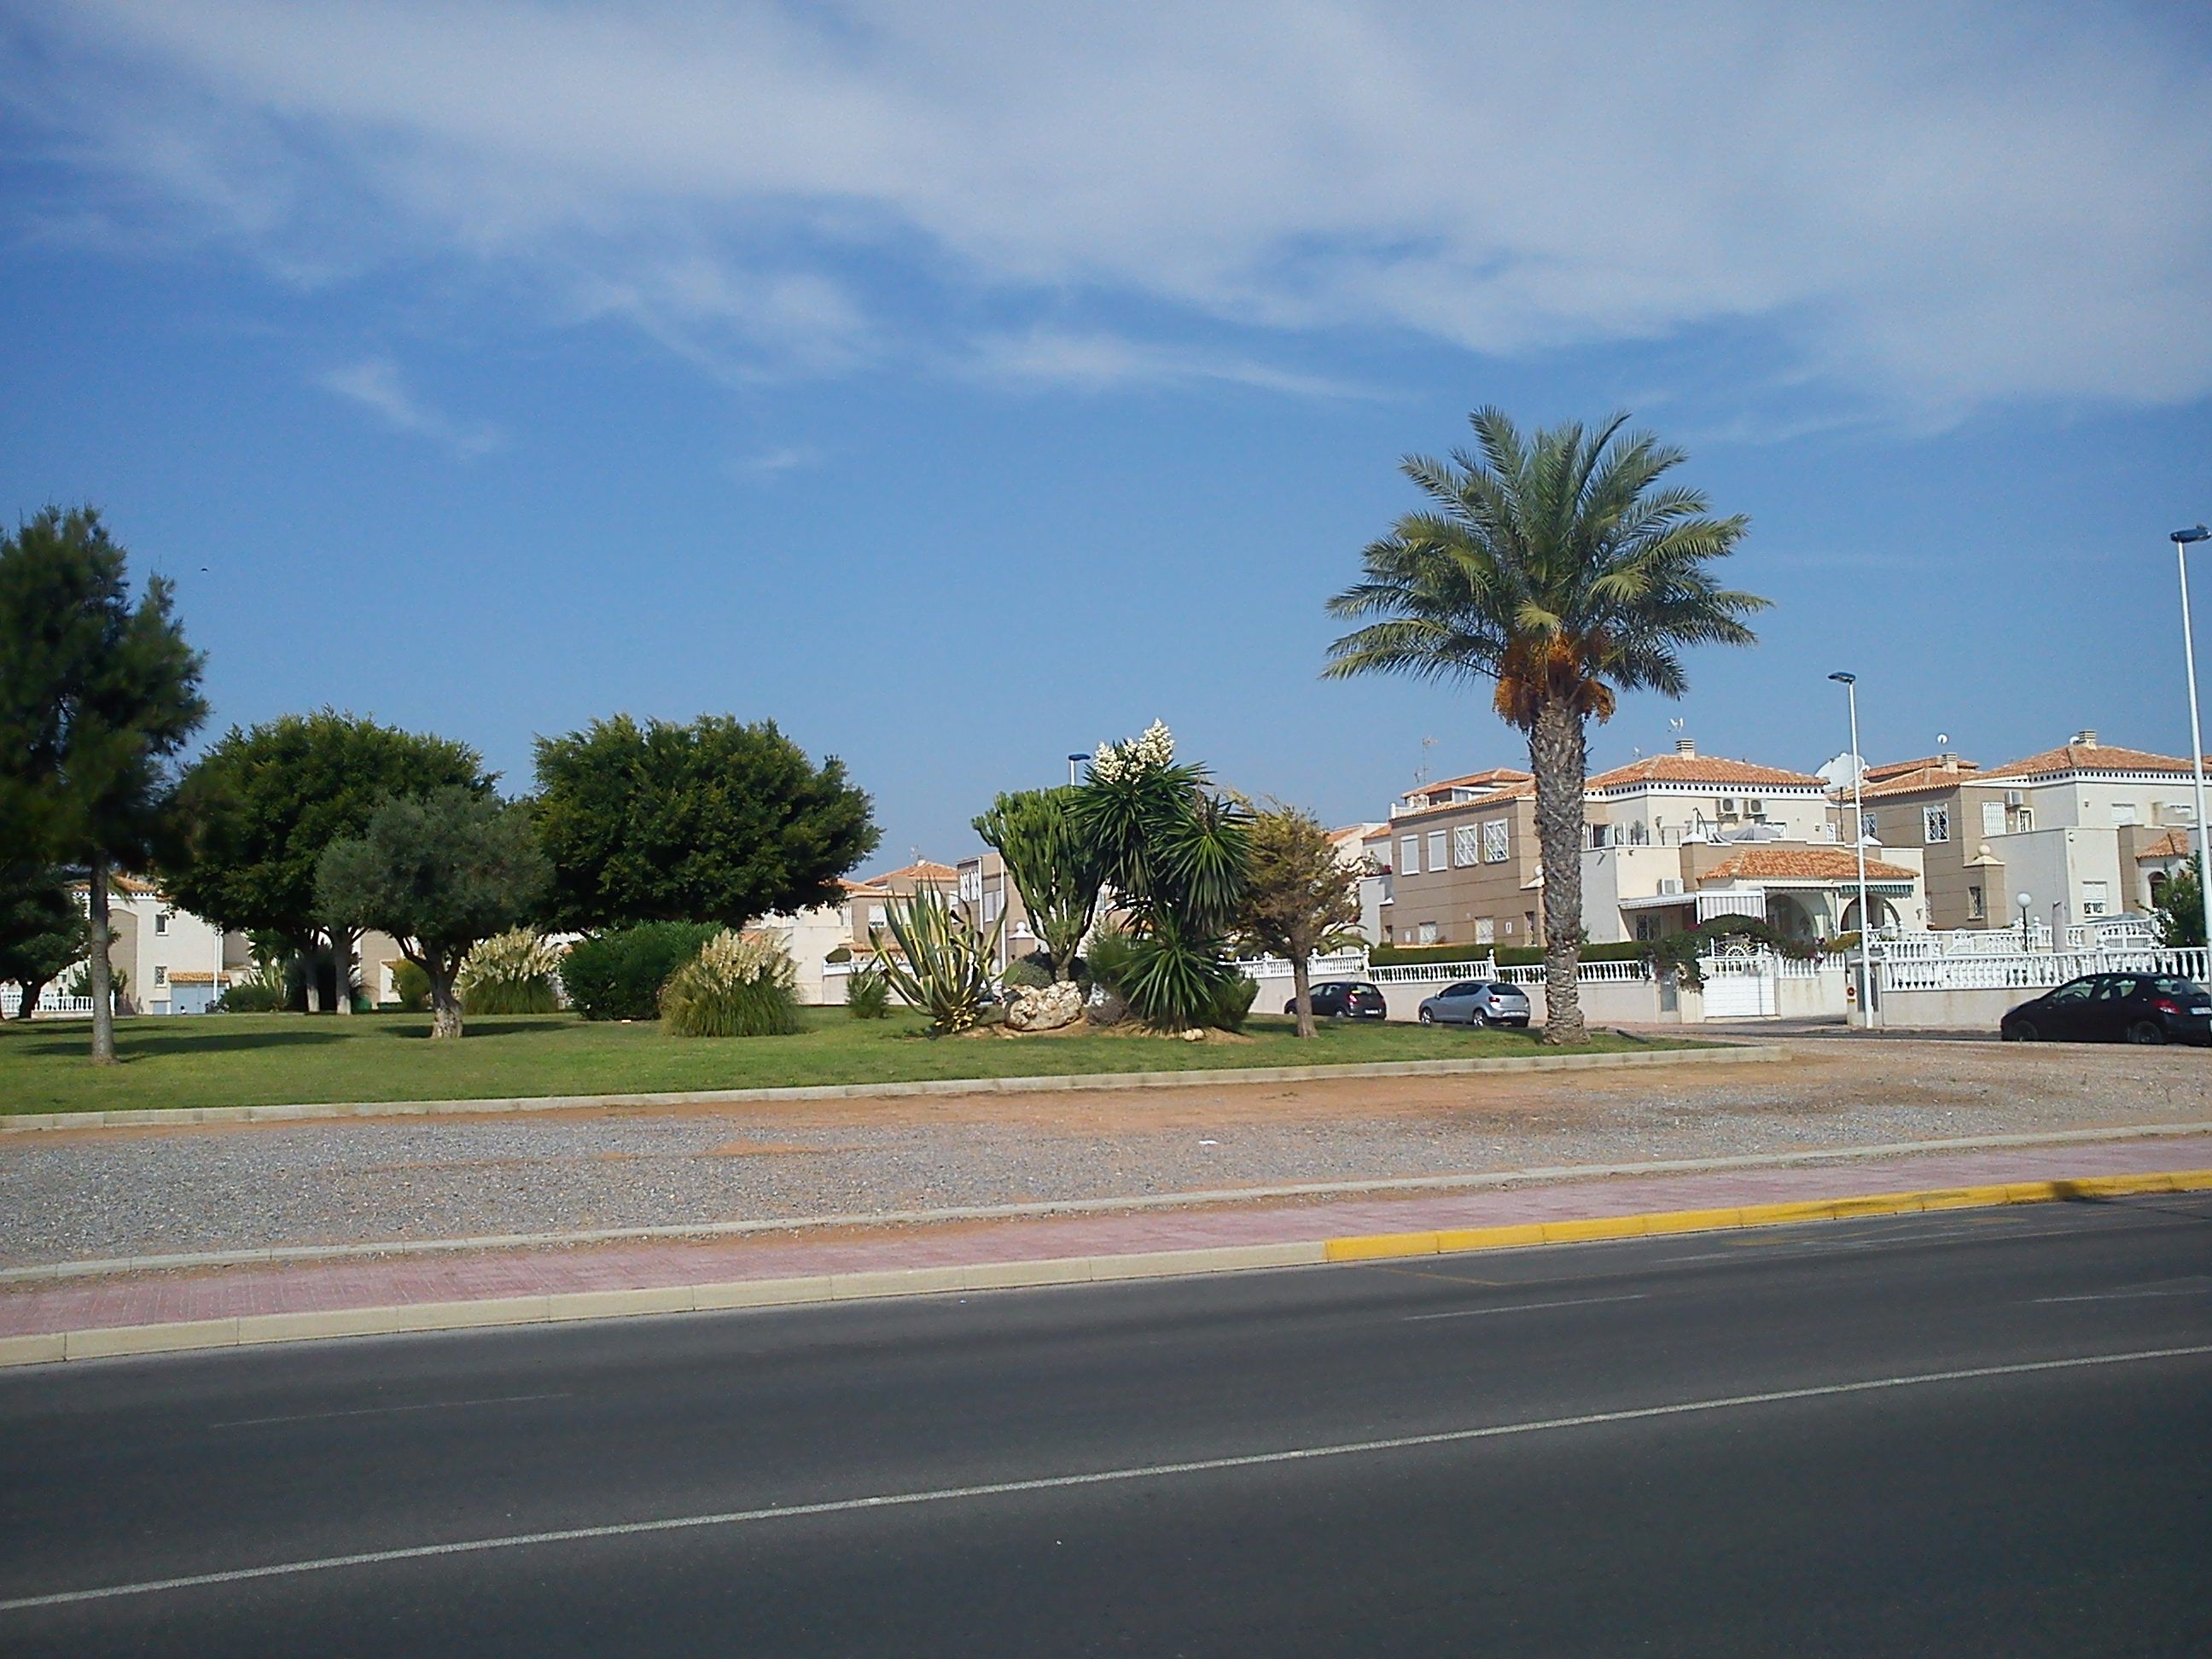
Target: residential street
[[1991, 1437]]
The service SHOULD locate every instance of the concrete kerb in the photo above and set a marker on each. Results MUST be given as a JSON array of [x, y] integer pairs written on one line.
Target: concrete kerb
[[257, 1329], [151, 1117]]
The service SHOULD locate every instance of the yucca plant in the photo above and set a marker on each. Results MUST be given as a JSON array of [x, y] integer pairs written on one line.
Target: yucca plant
[[868, 994], [938, 960], [738, 985], [510, 973]]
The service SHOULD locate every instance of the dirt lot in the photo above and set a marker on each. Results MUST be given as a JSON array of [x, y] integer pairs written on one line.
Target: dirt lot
[[68, 1196]]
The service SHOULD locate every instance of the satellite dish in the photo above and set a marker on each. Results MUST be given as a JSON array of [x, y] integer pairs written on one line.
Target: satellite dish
[[1942, 737]]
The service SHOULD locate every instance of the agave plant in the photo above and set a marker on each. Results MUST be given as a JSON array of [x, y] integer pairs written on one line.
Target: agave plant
[[938, 960]]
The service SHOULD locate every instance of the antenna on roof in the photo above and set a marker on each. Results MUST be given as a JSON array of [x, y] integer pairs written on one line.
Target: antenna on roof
[[1421, 776]]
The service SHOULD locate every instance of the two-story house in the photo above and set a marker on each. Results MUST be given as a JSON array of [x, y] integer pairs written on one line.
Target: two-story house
[[2081, 830]]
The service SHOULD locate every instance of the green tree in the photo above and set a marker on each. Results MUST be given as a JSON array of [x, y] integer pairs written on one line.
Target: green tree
[[1173, 852], [261, 806], [1299, 900], [1560, 569], [97, 695], [716, 821], [1057, 871], [2180, 906], [439, 872], [42, 930]]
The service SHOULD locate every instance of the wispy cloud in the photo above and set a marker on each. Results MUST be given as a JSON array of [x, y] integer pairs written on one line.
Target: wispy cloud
[[1096, 360], [376, 384], [770, 463], [1932, 210]]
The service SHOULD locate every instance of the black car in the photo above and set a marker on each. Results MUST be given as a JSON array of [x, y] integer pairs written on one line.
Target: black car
[[2115, 1008], [1344, 999]]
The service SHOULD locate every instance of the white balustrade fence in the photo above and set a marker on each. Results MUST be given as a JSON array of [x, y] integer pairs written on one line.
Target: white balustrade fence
[[2027, 970], [1345, 964], [51, 1003]]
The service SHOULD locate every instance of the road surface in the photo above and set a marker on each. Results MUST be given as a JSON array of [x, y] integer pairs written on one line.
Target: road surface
[[1986, 1433]]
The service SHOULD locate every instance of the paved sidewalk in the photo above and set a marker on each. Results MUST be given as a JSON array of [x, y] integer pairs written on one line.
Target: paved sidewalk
[[388, 1282]]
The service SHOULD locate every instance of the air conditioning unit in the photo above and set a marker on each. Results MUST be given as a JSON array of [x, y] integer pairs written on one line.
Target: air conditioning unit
[[1755, 807], [1670, 884], [2016, 797], [1728, 803]]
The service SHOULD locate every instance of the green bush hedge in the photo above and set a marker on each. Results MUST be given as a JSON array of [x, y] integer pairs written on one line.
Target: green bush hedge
[[619, 974]]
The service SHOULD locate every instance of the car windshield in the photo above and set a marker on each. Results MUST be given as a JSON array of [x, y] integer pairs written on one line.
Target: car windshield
[[1365, 990], [1500, 988], [2176, 987]]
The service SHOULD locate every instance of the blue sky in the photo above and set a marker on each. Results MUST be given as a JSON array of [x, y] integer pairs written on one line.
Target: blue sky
[[959, 392]]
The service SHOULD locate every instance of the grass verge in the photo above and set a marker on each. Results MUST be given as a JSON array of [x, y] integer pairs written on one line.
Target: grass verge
[[246, 1059]]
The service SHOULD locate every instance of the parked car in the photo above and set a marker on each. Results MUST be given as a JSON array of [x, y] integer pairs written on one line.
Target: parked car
[[1343, 998], [1477, 1002], [2139, 1007]]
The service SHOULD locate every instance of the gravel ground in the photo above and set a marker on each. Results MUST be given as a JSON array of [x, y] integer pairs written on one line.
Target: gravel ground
[[71, 1195]]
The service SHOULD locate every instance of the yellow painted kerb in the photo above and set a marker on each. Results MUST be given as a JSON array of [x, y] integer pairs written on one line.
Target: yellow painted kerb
[[1377, 1247]]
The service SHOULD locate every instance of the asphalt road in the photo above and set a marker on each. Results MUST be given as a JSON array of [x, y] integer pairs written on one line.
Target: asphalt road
[[1977, 1433]]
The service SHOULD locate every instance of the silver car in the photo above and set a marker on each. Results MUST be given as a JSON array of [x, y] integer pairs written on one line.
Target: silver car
[[1477, 1002]]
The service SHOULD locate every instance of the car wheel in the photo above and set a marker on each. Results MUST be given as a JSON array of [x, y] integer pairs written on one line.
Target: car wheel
[[1478, 1018], [1292, 1007], [2020, 1030], [2146, 1033], [1426, 1018]]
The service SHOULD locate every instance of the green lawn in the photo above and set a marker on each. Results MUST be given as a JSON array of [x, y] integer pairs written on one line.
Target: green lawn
[[240, 1060]]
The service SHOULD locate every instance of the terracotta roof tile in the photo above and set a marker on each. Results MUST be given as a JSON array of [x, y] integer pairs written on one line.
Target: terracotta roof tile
[[1913, 778], [2173, 844], [1802, 863], [2088, 758], [1703, 769]]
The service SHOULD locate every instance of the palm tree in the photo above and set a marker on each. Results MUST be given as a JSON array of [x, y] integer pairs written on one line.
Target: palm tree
[[1557, 569]]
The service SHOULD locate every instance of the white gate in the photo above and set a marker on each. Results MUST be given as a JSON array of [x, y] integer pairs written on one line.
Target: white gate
[[1738, 986]]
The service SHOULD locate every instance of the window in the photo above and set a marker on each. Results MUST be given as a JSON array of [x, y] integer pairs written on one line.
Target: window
[[1993, 817], [2096, 898], [2118, 988], [1496, 840], [1486, 931], [1934, 824], [1436, 849], [1463, 846], [1977, 908], [875, 915], [2123, 812], [2077, 991], [993, 904], [1409, 855], [1427, 935], [160, 922], [1867, 829], [161, 975]]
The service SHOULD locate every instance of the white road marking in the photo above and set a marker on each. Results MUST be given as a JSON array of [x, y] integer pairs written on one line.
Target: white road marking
[[1096, 1478], [1519, 1307], [2195, 1288], [382, 1411]]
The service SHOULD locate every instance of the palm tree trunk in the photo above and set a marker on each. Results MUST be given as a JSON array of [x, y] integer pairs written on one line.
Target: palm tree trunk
[[100, 981], [342, 944], [1559, 754]]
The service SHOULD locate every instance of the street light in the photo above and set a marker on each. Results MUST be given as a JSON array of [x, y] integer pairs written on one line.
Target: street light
[[1850, 685], [2181, 540], [2024, 900]]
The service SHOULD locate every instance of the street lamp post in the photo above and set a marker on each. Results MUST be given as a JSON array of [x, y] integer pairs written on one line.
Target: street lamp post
[[2024, 900], [2181, 540], [1850, 685]]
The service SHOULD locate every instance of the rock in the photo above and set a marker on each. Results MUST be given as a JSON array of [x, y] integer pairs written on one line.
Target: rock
[[1105, 1008], [1194, 1034], [1044, 1008]]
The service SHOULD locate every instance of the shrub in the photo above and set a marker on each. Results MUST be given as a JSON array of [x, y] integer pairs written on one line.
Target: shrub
[[1025, 973], [1172, 984], [868, 994], [412, 986], [619, 974], [1234, 1006], [1107, 958], [738, 985], [259, 990], [942, 961], [509, 973]]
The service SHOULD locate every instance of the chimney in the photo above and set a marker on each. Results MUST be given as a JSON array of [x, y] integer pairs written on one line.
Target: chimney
[[2086, 738], [1950, 762], [1685, 745]]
